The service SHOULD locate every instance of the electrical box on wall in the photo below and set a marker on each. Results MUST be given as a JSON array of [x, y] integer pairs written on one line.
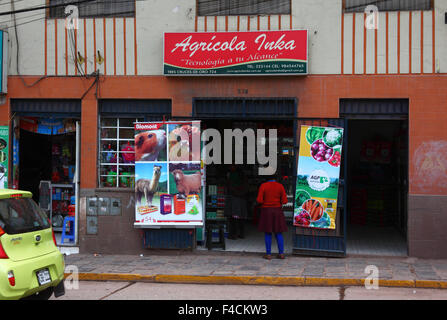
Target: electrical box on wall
[[4, 61]]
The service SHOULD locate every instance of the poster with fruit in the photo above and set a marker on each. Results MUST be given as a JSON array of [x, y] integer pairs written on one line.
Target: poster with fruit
[[168, 176], [318, 177], [4, 151]]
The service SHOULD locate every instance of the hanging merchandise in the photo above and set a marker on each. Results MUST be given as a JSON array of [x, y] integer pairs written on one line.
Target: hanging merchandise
[[126, 180], [128, 154], [108, 155], [49, 126], [15, 154], [66, 151], [318, 176], [111, 179], [55, 150]]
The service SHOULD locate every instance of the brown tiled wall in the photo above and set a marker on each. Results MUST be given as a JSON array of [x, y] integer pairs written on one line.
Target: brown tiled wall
[[427, 226], [116, 234]]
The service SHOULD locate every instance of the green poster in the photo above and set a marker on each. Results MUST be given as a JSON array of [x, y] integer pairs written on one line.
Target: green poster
[[318, 176], [4, 140]]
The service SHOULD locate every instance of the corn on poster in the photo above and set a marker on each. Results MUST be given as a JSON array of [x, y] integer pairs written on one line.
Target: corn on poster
[[318, 177], [168, 174]]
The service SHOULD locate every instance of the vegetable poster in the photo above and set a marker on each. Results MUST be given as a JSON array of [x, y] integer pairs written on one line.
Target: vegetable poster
[[168, 174], [318, 176], [4, 150]]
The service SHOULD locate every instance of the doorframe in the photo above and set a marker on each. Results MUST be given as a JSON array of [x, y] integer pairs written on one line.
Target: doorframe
[[373, 117], [77, 180]]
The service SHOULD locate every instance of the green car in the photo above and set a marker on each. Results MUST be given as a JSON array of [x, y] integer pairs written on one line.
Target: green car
[[31, 266]]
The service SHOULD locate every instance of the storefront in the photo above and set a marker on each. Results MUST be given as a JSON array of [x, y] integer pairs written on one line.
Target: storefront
[[384, 87], [248, 115], [46, 157], [373, 187], [367, 208]]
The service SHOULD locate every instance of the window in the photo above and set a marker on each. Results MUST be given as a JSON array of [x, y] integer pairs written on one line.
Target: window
[[387, 5], [95, 8], [242, 7], [20, 215], [116, 152]]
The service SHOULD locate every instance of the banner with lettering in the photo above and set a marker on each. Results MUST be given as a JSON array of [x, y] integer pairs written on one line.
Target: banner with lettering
[[318, 177], [168, 174], [236, 53]]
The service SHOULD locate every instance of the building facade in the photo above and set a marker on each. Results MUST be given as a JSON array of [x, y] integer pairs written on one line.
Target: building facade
[[107, 73]]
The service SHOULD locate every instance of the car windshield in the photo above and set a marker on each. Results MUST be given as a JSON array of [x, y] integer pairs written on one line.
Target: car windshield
[[20, 215]]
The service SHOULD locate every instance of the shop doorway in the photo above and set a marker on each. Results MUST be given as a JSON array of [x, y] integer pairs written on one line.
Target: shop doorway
[[377, 186], [45, 163], [218, 182]]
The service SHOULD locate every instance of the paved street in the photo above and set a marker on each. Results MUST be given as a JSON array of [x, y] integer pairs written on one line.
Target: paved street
[[110, 290]]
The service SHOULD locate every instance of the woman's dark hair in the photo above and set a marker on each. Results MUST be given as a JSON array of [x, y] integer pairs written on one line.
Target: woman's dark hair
[[272, 177]]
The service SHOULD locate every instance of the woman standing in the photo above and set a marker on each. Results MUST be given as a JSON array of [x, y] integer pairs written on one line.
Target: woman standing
[[271, 197]]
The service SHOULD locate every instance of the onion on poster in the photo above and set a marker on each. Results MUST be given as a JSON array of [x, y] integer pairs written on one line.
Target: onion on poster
[[318, 177]]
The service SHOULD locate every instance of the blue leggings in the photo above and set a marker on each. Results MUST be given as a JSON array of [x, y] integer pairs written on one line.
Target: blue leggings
[[279, 241]]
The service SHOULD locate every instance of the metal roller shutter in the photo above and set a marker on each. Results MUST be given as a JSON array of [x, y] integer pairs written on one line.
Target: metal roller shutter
[[153, 109], [374, 108], [56, 108], [253, 108]]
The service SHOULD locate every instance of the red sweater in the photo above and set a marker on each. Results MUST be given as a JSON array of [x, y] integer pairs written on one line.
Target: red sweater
[[271, 195]]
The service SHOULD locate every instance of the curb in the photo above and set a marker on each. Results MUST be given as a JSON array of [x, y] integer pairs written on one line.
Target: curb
[[254, 280]]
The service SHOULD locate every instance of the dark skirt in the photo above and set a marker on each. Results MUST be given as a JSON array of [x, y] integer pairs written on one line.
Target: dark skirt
[[272, 220]]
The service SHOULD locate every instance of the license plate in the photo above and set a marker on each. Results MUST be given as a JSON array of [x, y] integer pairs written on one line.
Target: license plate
[[43, 276]]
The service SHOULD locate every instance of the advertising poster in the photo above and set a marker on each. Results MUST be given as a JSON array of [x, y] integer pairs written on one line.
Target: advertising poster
[[4, 138], [236, 53], [168, 180], [318, 177]]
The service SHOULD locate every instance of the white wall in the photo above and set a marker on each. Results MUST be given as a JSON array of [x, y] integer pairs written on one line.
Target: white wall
[[441, 36], [154, 17]]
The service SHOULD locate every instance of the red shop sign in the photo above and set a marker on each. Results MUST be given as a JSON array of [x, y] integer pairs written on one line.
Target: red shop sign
[[236, 53]]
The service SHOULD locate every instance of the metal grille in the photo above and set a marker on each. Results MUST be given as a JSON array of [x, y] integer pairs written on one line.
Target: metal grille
[[280, 108], [116, 132], [169, 238], [47, 107], [96, 8], [153, 109], [374, 108], [387, 5], [242, 7]]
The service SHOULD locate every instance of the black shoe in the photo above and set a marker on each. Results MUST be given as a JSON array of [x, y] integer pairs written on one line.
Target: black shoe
[[232, 237]]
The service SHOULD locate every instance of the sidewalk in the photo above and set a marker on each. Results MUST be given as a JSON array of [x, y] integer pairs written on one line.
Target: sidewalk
[[249, 268]]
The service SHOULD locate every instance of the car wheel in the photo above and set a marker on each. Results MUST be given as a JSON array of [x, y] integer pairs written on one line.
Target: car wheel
[[42, 295]]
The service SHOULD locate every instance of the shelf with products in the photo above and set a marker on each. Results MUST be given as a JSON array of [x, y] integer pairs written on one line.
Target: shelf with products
[[63, 158], [61, 187], [62, 204]]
